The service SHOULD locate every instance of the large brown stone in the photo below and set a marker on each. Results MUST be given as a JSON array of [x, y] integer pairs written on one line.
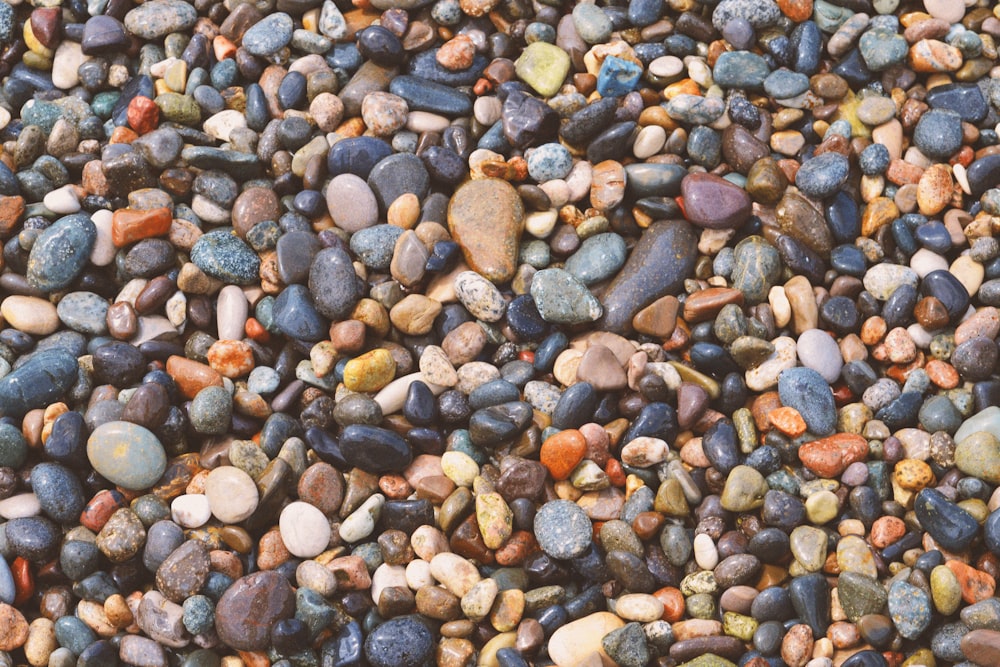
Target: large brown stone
[[486, 218], [250, 607]]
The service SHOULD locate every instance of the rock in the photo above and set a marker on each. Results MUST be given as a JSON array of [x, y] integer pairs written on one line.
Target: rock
[[126, 454], [562, 299], [562, 529], [486, 218], [643, 280], [61, 252], [580, 642], [805, 390], [713, 202], [249, 608]]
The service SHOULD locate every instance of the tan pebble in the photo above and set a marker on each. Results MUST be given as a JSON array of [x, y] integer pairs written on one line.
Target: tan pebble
[[41, 642]]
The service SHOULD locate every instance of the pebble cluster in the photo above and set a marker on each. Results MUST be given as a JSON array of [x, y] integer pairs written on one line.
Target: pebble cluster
[[395, 333]]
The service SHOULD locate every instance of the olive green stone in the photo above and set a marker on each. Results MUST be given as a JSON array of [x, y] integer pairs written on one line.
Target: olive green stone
[[543, 66], [699, 582], [739, 626], [809, 547], [670, 499], [701, 605], [860, 595], [945, 590], [708, 660], [746, 430], [750, 352], [978, 455], [744, 490], [617, 535], [179, 108]]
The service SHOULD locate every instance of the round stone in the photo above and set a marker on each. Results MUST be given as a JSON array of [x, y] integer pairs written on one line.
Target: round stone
[[305, 530], [232, 494], [126, 454], [563, 529]]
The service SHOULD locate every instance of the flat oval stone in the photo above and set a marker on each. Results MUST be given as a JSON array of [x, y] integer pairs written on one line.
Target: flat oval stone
[[223, 255], [563, 529], [85, 312], [333, 283], [712, 202], [61, 252], [373, 449], [400, 642], [351, 202], [42, 380], [126, 454], [805, 390], [158, 18], [822, 175], [59, 492], [647, 275]]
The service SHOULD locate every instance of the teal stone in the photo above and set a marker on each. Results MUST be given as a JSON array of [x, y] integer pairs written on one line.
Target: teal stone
[[211, 411], [223, 255], [126, 454], [85, 312], [881, 49], [13, 446], [74, 634], [61, 252], [177, 108], [42, 380], [42, 114], [740, 69], [784, 83], [199, 614], [598, 258], [910, 609], [562, 299], [756, 268], [104, 103], [592, 23], [829, 17]]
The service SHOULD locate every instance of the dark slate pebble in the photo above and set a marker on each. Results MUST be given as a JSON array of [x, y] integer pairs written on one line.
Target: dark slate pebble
[[59, 492], [40, 381], [426, 66], [946, 288], [33, 538], [805, 390], [822, 176], [118, 363], [938, 133], [400, 642], [575, 407], [965, 99], [374, 449], [721, 446], [335, 286], [61, 252], [975, 358], [810, 596], [296, 316], [425, 95], [950, 526], [397, 175], [223, 255], [497, 424]]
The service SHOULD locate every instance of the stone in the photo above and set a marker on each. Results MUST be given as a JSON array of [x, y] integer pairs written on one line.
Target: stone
[[250, 607], [486, 218], [126, 454]]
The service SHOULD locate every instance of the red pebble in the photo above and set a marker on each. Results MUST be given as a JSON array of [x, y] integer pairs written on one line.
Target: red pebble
[[24, 582], [100, 508], [143, 115]]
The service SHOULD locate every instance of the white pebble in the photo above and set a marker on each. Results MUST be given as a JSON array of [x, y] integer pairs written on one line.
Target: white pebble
[[104, 248], [19, 506], [705, 553], [190, 510], [231, 313], [305, 530], [62, 200], [361, 522]]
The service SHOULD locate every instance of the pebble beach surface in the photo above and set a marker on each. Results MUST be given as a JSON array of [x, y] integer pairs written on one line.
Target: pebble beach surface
[[497, 333]]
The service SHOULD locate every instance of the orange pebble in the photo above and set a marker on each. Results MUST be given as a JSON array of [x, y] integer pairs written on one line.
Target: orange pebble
[[887, 530], [942, 374], [562, 452], [976, 584], [24, 581], [673, 603], [788, 421]]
